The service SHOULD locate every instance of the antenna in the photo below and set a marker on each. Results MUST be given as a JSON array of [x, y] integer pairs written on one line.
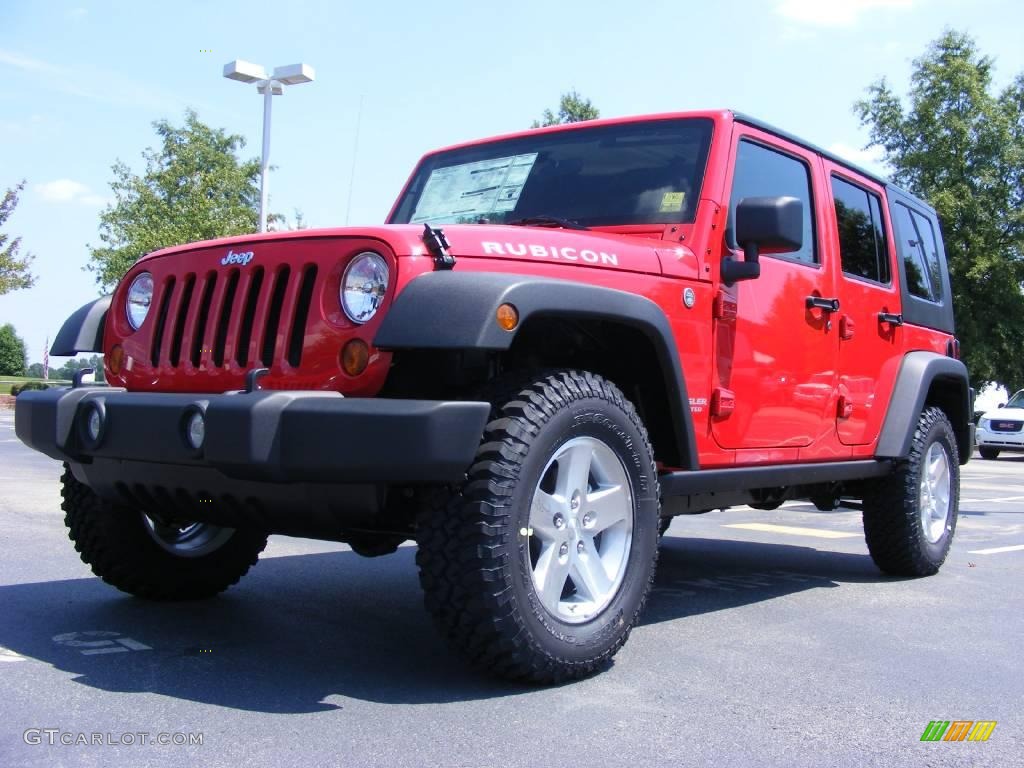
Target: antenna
[[355, 153]]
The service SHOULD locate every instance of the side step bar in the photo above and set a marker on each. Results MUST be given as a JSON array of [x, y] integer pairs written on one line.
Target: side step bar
[[748, 478]]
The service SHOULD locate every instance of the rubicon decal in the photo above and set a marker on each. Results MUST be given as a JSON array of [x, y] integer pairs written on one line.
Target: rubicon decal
[[237, 258], [958, 730], [565, 253]]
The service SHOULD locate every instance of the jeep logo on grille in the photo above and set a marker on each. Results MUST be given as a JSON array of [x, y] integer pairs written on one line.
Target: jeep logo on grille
[[237, 258]]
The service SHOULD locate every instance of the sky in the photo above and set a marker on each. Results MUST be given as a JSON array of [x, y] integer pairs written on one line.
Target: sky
[[82, 82]]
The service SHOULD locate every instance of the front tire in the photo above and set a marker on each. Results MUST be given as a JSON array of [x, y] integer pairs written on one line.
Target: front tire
[[538, 567], [988, 453], [910, 516], [142, 556]]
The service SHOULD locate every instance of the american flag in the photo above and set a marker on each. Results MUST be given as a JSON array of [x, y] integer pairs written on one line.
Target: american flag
[[46, 360]]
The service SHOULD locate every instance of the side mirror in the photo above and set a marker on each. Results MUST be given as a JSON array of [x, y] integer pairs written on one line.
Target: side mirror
[[1002, 405], [764, 223]]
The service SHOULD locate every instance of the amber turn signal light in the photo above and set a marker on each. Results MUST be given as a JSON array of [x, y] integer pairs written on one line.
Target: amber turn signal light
[[508, 316], [355, 356], [116, 359]]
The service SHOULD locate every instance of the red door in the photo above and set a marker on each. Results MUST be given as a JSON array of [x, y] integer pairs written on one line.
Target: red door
[[775, 357], [868, 319]]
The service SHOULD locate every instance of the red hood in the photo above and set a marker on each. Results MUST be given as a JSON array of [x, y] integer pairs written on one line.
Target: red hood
[[589, 248]]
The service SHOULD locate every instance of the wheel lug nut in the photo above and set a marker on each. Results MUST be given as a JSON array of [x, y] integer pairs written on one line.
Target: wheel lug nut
[[588, 520], [559, 521], [563, 550], [579, 547]]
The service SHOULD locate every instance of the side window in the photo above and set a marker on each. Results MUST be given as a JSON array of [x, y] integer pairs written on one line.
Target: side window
[[917, 248], [863, 250], [926, 239], [763, 172]]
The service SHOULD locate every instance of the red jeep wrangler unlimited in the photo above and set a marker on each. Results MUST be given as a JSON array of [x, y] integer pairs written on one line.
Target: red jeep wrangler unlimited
[[561, 339]]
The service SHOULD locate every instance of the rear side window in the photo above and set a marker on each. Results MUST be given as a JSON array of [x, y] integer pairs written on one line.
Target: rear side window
[[863, 249], [763, 172], [918, 249]]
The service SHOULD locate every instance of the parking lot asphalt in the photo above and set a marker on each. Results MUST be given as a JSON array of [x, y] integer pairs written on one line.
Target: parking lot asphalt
[[770, 639]]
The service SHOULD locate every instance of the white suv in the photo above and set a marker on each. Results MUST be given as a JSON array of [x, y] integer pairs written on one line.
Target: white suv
[[1002, 429]]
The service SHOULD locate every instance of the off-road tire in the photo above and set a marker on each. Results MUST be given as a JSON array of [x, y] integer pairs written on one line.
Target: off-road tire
[[893, 526], [474, 547], [988, 453], [114, 541]]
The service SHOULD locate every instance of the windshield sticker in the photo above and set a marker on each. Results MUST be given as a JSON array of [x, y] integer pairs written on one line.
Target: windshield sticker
[[464, 192], [672, 202]]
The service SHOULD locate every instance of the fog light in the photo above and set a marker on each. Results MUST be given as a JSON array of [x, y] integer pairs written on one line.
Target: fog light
[[508, 316], [355, 356], [115, 360], [195, 430], [94, 424]]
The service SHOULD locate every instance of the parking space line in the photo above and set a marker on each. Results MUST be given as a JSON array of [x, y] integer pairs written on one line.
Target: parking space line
[[997, 550], [793, 531]]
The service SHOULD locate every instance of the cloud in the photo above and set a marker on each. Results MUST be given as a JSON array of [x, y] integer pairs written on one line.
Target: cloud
[[81, 81], [68, 191], [870, 159], [835, 13]]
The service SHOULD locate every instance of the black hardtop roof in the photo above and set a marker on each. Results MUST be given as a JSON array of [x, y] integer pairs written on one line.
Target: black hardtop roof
[[769, 128]]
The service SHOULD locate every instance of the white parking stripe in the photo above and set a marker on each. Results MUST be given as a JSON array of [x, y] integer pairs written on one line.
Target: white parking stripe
[[997, 550], [793, 531]]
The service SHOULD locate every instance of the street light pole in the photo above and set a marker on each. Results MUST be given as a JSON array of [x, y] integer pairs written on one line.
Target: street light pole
[[269, 86], [268, 95]]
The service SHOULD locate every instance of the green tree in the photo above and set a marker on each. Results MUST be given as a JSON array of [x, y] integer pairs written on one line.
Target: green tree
[[35, 371], [960, 146], [14, 271], [572, 108], [72, 366], [12, 352], [194, 188]]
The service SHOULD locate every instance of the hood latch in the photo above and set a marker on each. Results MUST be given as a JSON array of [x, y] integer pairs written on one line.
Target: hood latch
[[438, 246]]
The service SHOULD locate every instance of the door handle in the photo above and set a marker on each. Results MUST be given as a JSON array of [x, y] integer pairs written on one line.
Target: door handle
[[890, 318], [817, 302]]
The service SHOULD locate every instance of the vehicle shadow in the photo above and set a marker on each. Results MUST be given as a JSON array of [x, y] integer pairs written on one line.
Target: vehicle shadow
[[302, 629]]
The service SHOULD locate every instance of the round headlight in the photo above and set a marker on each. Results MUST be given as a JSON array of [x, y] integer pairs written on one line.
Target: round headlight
[[140, 296], [363, 286]]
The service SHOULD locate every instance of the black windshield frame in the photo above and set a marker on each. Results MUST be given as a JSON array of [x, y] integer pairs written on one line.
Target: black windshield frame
[[631, 173]]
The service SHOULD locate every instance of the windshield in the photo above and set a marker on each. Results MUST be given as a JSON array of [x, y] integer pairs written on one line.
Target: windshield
[[632, 173], [1017, 401]]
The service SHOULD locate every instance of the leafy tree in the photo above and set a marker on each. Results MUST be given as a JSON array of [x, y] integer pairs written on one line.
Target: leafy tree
[[572, 108], [14, 271], [12, 352], [35, 371], [960, 146], [72, 366], [194, 188]]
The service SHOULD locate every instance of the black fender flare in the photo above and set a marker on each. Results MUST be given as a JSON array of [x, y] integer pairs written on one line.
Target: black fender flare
[[457, 310], [918, 373], [83, 331]]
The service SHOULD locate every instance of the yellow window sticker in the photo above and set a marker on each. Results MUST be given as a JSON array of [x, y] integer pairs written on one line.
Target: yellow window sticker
[[672, 202]]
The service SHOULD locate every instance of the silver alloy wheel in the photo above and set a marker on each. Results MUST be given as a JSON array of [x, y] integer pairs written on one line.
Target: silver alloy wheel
[[581, 530], [190, 540], [935, 493]]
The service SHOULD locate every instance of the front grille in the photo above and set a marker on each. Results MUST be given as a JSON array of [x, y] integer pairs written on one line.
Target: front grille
[[1002, 425], [232, 318]]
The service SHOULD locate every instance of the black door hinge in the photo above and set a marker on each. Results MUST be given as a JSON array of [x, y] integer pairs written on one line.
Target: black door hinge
[[438, 246]]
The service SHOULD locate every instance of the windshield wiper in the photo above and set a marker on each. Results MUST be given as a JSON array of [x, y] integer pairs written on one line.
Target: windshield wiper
[[546, 221]]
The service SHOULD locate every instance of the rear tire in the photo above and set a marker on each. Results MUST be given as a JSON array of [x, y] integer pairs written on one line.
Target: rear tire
[[141, 556], [988, 453], [910, 516], [538, 567]]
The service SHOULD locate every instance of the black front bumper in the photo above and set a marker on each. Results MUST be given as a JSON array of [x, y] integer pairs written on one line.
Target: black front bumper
[[264, 436]]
